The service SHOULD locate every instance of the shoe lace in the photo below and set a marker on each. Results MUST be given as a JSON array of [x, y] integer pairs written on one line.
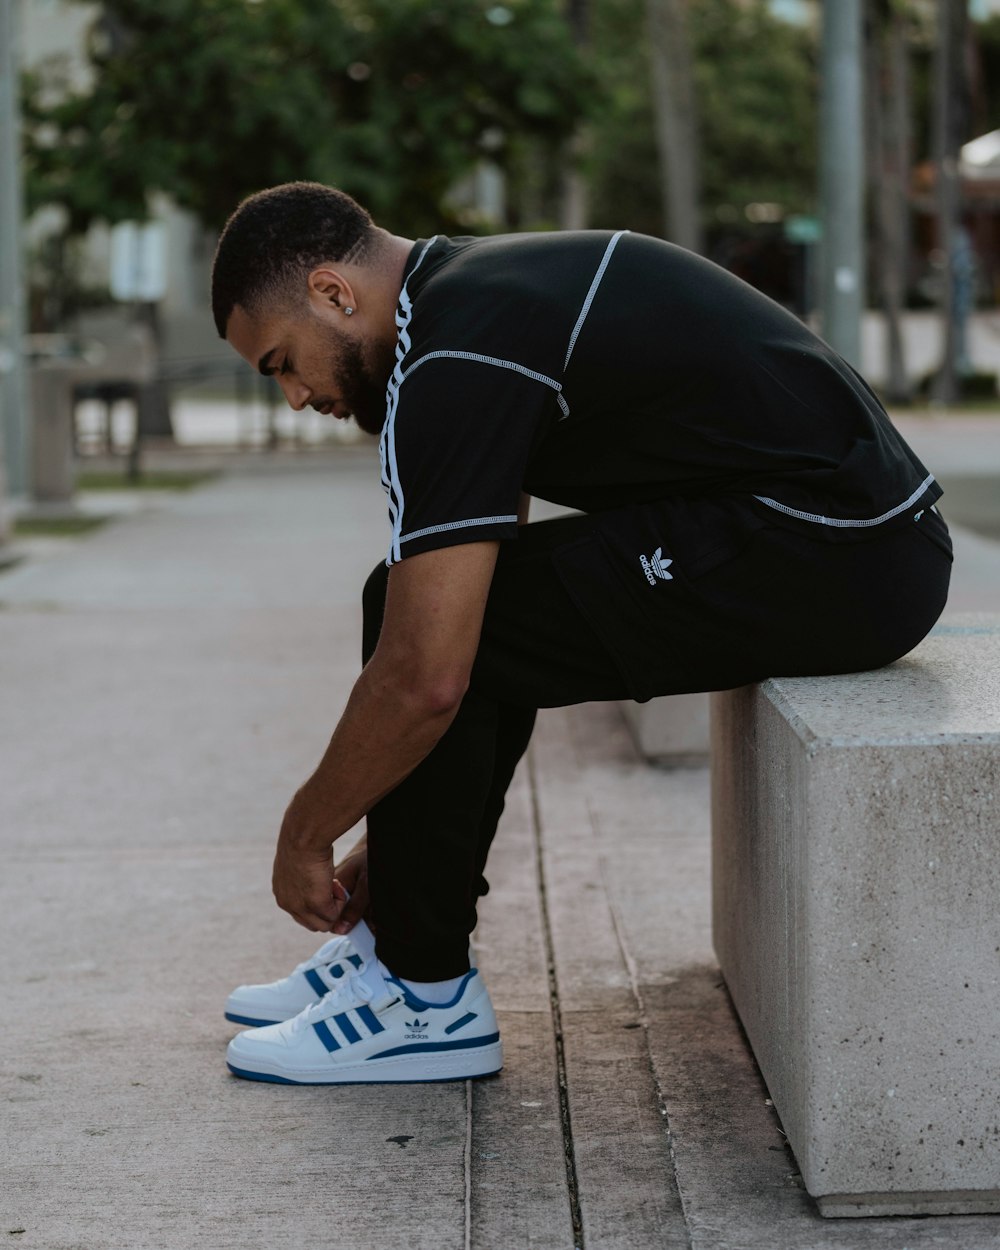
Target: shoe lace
[[328, 953], [353, 992]]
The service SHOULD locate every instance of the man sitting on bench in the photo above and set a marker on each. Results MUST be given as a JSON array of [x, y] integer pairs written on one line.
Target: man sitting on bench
[[745, 510]]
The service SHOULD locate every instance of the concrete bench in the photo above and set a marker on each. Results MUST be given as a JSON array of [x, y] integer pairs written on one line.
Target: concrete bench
[[856, 918]]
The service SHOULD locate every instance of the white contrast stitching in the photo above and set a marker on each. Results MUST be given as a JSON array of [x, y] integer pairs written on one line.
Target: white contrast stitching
[[843, 522], [459, 525], [387, 443], [590, 295], [454, 354]]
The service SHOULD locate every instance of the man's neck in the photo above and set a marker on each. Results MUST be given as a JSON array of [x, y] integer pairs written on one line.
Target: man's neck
[[398, 253]]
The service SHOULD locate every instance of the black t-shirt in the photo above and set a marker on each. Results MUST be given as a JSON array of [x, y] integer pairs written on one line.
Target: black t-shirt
[[598, 370]]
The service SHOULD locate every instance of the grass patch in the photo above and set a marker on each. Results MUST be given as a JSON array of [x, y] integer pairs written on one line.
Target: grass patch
[[160, 479], [57, 527]]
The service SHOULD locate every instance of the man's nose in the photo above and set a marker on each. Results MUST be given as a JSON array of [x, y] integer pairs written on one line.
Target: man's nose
[[297, 394]]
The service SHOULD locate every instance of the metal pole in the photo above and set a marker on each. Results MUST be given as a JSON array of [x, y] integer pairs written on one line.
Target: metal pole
[[13, 406], [842, 180]]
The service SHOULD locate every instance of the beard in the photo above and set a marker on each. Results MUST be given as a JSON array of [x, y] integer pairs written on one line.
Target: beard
[[364, 378]]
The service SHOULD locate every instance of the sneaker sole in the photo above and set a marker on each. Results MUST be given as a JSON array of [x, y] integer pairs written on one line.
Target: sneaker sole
[[464, 1066], [252, 1021]]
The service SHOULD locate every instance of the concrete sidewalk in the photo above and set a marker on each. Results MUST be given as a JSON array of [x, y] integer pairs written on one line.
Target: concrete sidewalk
[[164, 685]]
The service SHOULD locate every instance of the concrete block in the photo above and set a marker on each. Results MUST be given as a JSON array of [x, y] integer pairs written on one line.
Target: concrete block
[[673, 730], [856, 871]]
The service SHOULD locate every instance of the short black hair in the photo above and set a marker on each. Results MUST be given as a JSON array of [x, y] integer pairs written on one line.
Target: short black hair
[[275, 235]]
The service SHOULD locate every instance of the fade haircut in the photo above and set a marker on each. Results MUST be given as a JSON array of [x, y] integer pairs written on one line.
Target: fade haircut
[[281, 234]]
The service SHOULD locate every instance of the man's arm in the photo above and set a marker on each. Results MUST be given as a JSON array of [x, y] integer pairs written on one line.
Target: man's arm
[[404, 700]]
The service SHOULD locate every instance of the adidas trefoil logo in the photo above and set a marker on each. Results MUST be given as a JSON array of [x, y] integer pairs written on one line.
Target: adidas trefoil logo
[[417, 1026], [655, 567]]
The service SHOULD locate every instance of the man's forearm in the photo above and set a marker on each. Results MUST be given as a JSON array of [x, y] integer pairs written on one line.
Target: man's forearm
[[400, 707], [386, 729]]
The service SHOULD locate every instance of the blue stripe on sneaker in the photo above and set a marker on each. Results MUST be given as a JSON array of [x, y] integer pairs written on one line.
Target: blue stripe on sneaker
[[418, 1048], [316, 981], [371, 1020], [356, 960], [460, 1024], [325, 1036], [343, 1022]]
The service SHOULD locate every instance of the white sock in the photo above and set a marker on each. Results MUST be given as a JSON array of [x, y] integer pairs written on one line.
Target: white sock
[[363, 940], [436, 993], [373, 974]]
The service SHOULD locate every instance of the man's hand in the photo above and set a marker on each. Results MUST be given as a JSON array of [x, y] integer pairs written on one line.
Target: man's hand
[[302, 879], [352, 876]]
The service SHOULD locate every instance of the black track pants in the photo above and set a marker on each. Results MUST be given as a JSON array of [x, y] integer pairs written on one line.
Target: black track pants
[[610, 606]]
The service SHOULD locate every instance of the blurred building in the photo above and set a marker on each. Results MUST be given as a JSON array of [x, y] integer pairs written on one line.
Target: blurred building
[[55, 34], [979, 172]]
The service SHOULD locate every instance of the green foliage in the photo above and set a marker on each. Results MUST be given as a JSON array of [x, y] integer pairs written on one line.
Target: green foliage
[[756, 85], [57, 527], [396, 100], [757, 88], [391, 100], [986, 115]]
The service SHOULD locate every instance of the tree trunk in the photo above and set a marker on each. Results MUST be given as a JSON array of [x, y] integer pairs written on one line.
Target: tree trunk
[[950, 123], [573, 191], [890, 135], [676, 120]]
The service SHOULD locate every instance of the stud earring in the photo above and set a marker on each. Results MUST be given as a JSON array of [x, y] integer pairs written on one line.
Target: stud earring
[[348, 311]]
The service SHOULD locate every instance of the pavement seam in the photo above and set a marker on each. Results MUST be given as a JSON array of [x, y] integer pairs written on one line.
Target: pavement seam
[[640, 1002], [468, 1165], [572, 1181]]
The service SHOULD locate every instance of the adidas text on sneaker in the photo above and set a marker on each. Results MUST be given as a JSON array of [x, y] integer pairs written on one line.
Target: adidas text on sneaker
[[357, 1034], [281, 1000]]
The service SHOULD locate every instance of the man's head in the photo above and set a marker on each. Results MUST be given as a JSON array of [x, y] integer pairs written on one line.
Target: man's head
[[304, 287]]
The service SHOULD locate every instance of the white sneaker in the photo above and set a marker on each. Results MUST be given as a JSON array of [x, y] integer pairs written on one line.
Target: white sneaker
[[281, 1000], [372, 1030]]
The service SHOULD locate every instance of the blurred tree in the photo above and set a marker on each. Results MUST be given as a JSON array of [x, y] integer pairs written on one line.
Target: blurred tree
[[951, 129], [755, 83], [675, 109], [890, 152], [392, 100], [574, 188]]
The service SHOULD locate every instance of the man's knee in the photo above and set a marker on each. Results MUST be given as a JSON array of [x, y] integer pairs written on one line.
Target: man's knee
[[373, 608]]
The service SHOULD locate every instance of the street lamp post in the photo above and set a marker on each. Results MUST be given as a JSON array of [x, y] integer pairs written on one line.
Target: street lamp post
[[842, 168], [13, 409]]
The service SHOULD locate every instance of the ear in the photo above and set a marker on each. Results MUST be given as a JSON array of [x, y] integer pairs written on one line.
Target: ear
[[330, 290]]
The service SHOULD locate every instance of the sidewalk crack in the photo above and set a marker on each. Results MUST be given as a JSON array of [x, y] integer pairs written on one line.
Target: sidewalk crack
[[569, 1154], [640, 1002]]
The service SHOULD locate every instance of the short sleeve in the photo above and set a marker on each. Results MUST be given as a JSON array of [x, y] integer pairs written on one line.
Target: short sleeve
[[455, 445]]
